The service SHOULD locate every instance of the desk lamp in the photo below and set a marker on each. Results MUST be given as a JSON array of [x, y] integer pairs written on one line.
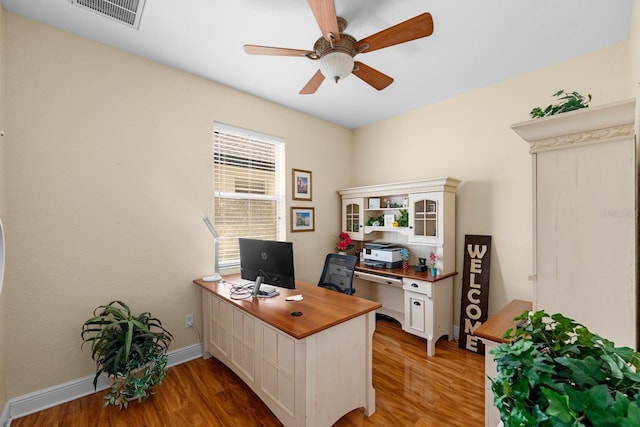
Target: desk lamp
[[215, 277]]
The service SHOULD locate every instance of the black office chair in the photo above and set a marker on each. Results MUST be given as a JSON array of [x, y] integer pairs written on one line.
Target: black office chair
[[337, 273]]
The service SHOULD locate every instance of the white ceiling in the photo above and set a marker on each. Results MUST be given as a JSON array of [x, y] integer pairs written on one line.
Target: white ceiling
[[475, 43]]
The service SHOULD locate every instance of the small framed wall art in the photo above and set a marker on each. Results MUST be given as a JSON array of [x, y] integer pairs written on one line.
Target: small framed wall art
[[302, 219], [301, 184]]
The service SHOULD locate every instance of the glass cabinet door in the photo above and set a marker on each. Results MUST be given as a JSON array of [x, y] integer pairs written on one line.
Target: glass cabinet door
[[352, 213], [425, 212]]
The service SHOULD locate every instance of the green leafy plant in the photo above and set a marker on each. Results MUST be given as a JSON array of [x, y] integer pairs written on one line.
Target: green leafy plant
[[555, 372], [403, 221], [376, 220], [137, 383], [570, 101], [130, 349]]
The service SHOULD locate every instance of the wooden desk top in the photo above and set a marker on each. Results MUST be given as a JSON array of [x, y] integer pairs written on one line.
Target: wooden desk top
[[410, 273], [321, 308], [495, 327]]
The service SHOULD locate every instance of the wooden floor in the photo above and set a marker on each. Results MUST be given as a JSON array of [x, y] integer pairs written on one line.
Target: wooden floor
[[411, 390]]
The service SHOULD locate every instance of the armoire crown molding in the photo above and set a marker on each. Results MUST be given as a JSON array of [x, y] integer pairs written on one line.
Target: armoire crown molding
[[585, 126]]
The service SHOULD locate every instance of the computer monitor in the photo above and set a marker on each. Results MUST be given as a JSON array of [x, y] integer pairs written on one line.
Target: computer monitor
[[271, 259]]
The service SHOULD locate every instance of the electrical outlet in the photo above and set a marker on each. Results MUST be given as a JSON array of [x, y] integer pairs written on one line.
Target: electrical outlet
[[188, 320]]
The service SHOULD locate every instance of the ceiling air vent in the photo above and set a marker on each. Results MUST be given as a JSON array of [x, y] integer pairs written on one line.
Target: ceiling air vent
[[127, 12]]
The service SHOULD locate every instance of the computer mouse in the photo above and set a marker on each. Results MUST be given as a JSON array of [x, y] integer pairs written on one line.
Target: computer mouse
[[296, 313]]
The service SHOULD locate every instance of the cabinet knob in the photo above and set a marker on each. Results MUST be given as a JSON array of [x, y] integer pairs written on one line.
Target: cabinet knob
[[416, 303], [414, 285]]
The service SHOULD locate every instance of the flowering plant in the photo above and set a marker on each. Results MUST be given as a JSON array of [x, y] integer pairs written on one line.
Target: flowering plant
[[432, 259], [344, 242], [404, 253]]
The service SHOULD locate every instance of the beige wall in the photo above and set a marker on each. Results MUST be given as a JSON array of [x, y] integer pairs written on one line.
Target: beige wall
[[109, 160], [634, 55], [3, 298], [469, 138]]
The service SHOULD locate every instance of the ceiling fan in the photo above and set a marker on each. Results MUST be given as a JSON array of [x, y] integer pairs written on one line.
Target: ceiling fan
[[335, 49]]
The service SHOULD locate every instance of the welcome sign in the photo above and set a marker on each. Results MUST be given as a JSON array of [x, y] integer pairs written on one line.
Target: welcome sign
[[475, 290]]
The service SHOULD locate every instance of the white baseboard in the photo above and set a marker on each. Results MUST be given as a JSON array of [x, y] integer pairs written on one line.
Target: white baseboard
[[52, 396], [184, 354], [4, 416]]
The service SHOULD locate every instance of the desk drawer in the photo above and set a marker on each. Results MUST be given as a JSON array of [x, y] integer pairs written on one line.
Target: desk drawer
[[417, 286], [379, 278]]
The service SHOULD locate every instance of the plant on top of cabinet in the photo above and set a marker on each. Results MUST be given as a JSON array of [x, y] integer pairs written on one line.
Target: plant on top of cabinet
[[555, 372], [570, 101], [130, 349]]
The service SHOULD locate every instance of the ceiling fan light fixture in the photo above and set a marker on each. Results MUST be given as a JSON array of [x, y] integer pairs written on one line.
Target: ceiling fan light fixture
[[336, 65]]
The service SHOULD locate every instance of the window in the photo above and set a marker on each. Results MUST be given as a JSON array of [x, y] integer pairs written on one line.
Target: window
[[248, 188]]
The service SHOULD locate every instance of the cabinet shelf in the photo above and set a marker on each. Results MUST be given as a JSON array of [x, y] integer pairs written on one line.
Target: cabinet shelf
[[373, 228], [385, 209]]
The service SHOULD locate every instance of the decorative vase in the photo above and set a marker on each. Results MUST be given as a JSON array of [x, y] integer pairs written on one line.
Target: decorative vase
[[405, 265], [434, 271], [342, 253]]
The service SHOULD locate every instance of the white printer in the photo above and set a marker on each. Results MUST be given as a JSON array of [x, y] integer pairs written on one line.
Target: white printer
[[382, 255]]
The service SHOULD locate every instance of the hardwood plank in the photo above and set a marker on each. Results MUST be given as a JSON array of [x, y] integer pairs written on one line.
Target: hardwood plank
[[411, 390]]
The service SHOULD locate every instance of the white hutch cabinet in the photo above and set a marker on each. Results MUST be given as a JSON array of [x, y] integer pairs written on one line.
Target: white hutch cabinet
[[429, 203], [421, 215]]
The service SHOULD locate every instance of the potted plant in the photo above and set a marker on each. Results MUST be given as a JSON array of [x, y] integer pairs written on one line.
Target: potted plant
[[555, 372], [404, 254], [344, 243], [130, 349], [433, 258]]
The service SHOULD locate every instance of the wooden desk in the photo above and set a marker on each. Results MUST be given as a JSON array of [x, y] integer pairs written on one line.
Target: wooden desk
[[410, 273], [421, 303], [309, 370], [491, 332]]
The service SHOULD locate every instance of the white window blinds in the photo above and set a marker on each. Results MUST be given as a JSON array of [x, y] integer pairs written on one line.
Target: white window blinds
[[248, 188]]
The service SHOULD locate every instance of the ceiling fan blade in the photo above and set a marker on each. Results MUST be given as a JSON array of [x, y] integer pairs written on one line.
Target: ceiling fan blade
[[411, 29], [371, 76], [278, 51], [313, 84], [325, 13]]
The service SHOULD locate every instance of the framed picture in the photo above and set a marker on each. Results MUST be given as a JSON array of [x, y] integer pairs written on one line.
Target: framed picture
[[389, 219], [301, 184], [302, 219]]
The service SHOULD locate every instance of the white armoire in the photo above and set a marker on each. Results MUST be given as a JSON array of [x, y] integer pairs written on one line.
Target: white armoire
[[584, 217]]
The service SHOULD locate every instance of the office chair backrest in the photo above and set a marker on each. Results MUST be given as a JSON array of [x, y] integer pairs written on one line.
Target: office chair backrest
[[337, 273]]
